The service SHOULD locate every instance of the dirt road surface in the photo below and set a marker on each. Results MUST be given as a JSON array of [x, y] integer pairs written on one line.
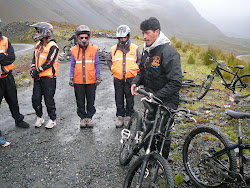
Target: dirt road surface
[[65, 156]]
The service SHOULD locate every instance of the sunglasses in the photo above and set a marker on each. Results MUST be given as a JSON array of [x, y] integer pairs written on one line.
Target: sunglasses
[[83, 37]]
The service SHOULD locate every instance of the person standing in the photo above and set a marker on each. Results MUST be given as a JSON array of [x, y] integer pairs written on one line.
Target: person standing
[[123, 63], [84, 75], [7, 82], [160, 70], [44, 70]]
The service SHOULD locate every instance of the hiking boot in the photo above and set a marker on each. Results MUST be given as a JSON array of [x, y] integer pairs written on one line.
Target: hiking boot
[[126, 120], [119, 122], [22, 124], [4, 143], [39, 122], [50, 124], [89, 122], [83, 123]]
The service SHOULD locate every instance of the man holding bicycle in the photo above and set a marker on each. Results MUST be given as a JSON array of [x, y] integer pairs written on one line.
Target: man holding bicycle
[[160, 70]]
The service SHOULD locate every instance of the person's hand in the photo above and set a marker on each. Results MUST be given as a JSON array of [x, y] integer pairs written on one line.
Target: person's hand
[[133, 92], [71, 81], [98, 81], [34, 74]]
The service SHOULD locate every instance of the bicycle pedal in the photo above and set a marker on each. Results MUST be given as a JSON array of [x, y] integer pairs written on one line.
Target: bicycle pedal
[[125, 134]]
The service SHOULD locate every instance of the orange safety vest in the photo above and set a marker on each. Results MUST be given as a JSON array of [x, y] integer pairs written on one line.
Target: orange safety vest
[[131, 68], [85, 72], [3, 49], [41, 55]]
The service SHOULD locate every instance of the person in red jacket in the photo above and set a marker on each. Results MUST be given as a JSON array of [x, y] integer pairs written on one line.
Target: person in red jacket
[[123, 63], [84, 75], [44, 71], [7, 82]]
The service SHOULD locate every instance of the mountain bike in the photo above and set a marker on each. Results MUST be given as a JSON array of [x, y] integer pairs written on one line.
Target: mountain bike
[[150, 169], [66, 48], [239, 84], [210, 159]]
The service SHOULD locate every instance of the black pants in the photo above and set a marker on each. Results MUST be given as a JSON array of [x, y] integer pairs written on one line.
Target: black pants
[[9, 92], [122, 89], [44, 87], [166, 147], [82, 92]]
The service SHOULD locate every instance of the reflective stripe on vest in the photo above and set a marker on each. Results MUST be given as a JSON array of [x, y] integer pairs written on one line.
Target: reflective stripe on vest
[[3, 49], [41, 55], [85, 72], [117, 67]]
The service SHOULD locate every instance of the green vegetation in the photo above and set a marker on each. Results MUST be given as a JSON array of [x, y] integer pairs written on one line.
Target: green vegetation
[[178, 178]]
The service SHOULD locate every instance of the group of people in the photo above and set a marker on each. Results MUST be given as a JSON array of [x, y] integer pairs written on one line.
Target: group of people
[[158, 68]]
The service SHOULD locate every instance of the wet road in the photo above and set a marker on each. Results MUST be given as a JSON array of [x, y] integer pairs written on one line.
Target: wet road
[[65, 156]]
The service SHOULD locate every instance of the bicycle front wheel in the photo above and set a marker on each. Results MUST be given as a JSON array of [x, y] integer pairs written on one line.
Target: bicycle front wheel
[[158, 173], [66, 50], [205, 86], [241, 85], [128, 145], [202, 167]]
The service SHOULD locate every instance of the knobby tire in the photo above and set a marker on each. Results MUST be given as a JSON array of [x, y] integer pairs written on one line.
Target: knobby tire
[[205, 86], [242, 85], [199, 146]]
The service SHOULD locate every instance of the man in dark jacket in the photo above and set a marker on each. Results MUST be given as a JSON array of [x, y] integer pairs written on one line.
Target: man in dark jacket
[[7, 83], [160, 69]]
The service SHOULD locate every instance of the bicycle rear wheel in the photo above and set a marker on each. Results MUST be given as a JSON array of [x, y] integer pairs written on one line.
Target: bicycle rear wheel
[[128, 145], [205, 86], [203, 169], [242, 85], [158, 173]]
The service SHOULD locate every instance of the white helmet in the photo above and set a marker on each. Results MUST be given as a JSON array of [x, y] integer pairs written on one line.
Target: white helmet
[[123, 31]]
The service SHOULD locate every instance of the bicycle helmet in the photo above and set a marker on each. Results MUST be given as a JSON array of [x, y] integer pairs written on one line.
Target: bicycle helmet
[[44, 29], [123, 31], [82, 29], [0, 24]]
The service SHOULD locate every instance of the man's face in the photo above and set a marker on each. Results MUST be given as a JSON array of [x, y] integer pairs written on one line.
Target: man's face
[[150, 36]]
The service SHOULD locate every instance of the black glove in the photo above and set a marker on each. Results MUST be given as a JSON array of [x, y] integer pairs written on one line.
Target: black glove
[[98, 81], [71, 81], [34, 74]]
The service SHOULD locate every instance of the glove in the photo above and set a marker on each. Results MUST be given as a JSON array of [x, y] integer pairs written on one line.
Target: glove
[[71, 81], [98, 81], [34, 74]]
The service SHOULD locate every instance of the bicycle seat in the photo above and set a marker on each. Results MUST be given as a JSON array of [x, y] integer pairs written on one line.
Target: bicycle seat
[[239, 66], [237, 115]]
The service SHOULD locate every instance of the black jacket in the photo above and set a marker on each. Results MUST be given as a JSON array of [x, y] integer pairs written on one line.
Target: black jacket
[[160, 73]]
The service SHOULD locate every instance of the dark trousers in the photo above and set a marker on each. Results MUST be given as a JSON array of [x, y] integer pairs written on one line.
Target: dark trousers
[[122, 89], [82, 92], [9, 92], [166, 147], [44, 87]]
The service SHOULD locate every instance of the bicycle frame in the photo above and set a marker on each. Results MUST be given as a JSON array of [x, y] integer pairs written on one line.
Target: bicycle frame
[[218, 69]]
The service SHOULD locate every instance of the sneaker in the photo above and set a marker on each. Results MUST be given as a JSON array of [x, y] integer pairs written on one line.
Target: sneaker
[[119, 122], [83, 123], [39, 122], [4, 143], [22, 124], [51, 124], [89, 122], [126, 120]]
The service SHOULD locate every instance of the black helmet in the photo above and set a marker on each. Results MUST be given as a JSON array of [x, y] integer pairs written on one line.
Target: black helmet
[[123, 31], [82, 29], [44, 29]]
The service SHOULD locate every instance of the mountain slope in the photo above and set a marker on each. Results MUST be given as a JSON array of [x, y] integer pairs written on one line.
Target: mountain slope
[[178, 17]]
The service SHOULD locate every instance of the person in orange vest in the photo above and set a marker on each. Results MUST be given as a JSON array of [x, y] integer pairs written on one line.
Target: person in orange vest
[[123, 63], [44, 70], [84, 75], [7, 82]]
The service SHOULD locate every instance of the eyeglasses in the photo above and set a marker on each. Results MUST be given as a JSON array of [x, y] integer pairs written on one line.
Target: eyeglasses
[[122, 37], [37, 31], [83, 37]]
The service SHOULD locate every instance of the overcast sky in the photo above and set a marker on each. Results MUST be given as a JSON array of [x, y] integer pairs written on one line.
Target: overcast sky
[[232, 17]]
